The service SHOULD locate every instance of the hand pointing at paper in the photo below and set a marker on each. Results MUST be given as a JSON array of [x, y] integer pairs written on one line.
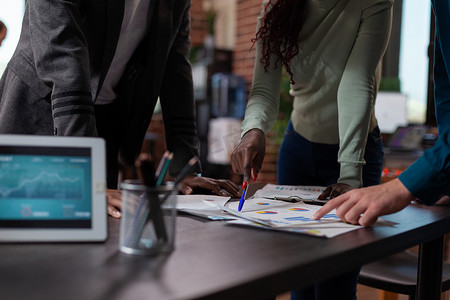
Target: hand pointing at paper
[[364, 206]]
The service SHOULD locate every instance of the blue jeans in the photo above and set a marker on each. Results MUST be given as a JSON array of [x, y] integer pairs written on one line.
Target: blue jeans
[[301, 162]]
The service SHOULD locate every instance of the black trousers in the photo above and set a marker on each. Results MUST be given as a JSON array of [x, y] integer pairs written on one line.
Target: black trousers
[[108, 119]]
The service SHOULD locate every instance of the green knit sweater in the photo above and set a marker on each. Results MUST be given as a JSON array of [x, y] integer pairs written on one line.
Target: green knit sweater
[[336, 76]]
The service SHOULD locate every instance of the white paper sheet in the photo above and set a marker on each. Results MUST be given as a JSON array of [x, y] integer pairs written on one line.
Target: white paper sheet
[[289, 217], [301, 192], [270, 214], [206, 206], [321, 230]]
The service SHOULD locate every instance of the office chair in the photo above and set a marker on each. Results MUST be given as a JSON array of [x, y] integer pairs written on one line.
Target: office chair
[[398, 274]]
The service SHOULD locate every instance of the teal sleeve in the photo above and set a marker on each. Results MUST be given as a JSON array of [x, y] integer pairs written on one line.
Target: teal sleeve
[[357, 91], [429, 177]]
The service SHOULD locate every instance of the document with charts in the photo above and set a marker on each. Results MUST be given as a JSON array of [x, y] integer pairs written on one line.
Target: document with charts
[[293, 191], [286, 216], [262, 211]]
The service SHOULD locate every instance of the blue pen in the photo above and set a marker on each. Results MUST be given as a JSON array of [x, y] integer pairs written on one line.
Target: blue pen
[[241, 202]]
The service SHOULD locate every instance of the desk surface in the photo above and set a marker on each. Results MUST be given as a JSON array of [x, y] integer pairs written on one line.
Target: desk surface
[[211, 260]]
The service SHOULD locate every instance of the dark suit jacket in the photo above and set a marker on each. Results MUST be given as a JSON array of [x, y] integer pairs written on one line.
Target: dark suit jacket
[[63, 55]]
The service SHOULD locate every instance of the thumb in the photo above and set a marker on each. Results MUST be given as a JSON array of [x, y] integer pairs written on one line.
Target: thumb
[[186, 190]]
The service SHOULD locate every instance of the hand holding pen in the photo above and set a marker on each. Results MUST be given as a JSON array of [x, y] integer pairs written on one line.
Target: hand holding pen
[[247, 158], [249, 154]]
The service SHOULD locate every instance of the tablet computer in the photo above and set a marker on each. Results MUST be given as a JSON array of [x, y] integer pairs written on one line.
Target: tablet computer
[[52, 189]]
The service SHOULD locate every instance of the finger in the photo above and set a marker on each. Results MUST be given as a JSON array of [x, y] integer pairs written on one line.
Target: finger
[[230, 187], [115, 202], [329, 206], [222, 192], [113, 212], [248, 163], [368, 219], [257, 162], [353, 214], [235, 162], [336, 191], [239, 160], [210, 184], [228, 184], [246, 172], [216, 189], [370, 215], [325, 194], [117, 195], [345, 207], [342, 189], [186, 190], [255, 174]]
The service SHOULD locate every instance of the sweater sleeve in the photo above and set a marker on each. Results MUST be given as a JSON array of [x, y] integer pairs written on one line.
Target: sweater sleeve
[[263, 104], [357, 90]]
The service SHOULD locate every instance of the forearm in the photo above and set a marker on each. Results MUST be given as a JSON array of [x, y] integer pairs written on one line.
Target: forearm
[[264, 100], [177, 101], [356, 95]]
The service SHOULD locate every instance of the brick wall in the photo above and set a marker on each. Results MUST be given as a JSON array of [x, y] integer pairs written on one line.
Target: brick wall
[[244, 55], [198, 23]]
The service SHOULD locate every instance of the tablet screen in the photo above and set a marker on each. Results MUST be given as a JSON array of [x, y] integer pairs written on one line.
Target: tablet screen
[[45, 187]]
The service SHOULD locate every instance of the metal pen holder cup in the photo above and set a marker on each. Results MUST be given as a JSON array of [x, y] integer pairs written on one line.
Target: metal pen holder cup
[[148, 218]]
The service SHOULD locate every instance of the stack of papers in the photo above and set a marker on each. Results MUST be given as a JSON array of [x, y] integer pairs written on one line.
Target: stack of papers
[[285, 216], [206, 206], [293, 191], [262, 211]]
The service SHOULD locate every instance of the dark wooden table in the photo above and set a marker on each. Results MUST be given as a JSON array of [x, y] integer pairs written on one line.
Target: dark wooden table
[[216, 261]]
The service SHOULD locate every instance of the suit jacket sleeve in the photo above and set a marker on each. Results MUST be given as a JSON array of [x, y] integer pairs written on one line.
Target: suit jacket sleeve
[[177, 101], [62, 62]]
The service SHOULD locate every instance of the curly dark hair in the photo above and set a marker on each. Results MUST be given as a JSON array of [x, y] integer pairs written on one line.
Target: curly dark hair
[[279, 32]]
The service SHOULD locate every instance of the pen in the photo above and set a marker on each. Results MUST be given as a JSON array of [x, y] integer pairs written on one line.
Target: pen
[[161, 164], [294, 199], [186, 170], [165, 166], [241, 201], [291, 199]]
